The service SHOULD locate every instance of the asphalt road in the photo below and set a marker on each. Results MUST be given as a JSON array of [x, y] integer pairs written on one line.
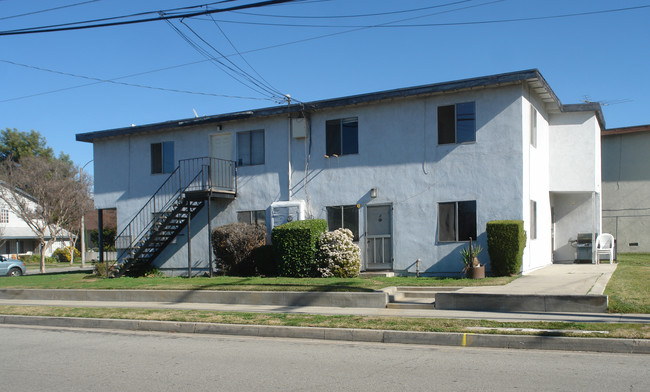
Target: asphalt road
[[44, 359]]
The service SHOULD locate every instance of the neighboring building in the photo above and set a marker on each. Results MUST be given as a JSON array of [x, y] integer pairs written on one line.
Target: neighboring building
[[626, 187], [413, 172], [16, 238]]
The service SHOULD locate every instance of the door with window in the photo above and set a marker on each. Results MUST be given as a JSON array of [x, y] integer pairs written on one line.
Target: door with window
[[221, 149], [379, 237]]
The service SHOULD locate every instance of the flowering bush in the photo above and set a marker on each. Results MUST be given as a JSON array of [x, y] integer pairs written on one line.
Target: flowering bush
[[337, 255]]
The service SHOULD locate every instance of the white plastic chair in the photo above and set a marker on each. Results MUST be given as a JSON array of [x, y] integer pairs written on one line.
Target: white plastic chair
[[605, 246]]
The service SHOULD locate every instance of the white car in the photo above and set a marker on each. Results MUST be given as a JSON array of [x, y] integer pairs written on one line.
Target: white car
[[11, 267]]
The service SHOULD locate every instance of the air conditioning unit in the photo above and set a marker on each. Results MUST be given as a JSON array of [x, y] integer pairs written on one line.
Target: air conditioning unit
[[287, 211]]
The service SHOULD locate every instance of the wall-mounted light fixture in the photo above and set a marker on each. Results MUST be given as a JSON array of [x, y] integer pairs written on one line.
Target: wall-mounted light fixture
[[373, 193]]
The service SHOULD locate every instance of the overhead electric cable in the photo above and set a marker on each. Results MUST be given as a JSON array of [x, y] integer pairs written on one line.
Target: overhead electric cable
[[351, 16], [49, 9], [238, 70], [125, 83], [391, 25], [34, 30]]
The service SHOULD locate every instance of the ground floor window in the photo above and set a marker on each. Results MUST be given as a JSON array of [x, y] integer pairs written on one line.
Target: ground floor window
[[252, 217], [346, 217], [457, 221]]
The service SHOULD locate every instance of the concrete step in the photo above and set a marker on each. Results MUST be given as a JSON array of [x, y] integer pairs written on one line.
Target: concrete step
[[427, 288], [410, 305], [384, 274], [402, 295]]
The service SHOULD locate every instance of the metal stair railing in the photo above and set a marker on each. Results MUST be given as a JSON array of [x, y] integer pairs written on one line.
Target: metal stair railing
[[195, 174]]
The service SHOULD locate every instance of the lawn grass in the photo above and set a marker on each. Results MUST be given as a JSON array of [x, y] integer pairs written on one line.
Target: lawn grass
[[230, 283], [629, 287], [610, 330]]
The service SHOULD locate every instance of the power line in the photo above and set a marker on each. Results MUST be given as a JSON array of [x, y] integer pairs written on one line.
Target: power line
[[49, 9], [124, 83], [391, 25], [34, 30], [352, 16]]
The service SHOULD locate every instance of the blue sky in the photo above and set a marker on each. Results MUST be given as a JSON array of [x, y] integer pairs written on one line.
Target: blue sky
[[600, 57]]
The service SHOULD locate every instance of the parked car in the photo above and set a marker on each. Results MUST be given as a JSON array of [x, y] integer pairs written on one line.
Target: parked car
[[11, 267]]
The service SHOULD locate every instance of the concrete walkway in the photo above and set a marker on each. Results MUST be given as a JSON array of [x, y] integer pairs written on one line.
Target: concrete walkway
[[558, 279]]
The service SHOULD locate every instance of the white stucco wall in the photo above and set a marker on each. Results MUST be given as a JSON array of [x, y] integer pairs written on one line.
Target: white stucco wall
[[626, 190]]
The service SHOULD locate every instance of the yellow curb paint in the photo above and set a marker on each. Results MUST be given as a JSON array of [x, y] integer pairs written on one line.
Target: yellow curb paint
[[464, 343]]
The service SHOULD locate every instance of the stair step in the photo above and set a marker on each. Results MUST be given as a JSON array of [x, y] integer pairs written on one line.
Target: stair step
[[432, 289], [401, 295], [410, 305]]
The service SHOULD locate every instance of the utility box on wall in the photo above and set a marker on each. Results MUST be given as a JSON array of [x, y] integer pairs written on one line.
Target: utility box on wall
[[287, 211], [299, 128]]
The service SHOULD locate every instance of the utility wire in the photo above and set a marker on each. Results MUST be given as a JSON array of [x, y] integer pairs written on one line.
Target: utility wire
[[238, 69], [351, 16], [123, 83], [242, 56], [392, 25], [33, 30], [48, 9]]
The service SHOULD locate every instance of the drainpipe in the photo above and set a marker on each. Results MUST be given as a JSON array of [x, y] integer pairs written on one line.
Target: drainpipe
[[288, 98]]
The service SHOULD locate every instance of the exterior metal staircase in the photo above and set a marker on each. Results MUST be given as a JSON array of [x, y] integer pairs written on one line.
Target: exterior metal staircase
[[166, 213]]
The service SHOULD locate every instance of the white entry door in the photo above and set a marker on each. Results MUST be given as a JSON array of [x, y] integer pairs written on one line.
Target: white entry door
[[221, 167], [379, 244]]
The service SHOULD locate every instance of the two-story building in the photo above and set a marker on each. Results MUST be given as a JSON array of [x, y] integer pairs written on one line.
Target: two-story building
[[414, 173]]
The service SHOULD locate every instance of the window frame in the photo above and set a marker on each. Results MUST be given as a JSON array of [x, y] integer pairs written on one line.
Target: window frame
[[458, 118], [4, 215], [457, 221], [253, 217], [165, 163], [330, 225], [337, 147], [250, 135]]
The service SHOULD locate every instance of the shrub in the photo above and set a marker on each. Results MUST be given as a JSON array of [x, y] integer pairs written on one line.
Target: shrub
[[234, 246], [108, 238], [338, 255], [36, 259], [63, 254], [506, 242], [99, 269], [295, 246]]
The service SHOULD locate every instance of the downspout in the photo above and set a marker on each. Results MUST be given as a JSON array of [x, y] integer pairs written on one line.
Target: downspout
[[288, 98]]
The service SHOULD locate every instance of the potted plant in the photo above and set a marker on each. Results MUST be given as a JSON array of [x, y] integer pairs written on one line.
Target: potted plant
[[473, 268]]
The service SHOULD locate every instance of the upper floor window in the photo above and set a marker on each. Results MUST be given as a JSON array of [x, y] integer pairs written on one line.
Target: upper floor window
[[533, 126], [344, 217], [250, 148], [457, 123], [457, 221], [342, 136], [4, 216], [252, 217], [162, 157]]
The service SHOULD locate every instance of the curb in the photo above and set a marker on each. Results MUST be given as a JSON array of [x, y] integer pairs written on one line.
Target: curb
[[626, 346]]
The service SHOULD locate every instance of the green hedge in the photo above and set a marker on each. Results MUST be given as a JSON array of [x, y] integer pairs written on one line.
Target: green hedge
[[506, 242], [295, 246]]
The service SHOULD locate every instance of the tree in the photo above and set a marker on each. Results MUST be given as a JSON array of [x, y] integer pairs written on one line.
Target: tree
[[46, 193], [15, 145]]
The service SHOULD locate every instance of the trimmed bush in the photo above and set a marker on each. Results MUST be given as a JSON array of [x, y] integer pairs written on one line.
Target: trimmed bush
[[62, 255], [233, 247], [338, 255], [506, 242], [295, 245]]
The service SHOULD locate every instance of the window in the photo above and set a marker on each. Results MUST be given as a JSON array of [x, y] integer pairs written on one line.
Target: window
[[457, 221], [4, 216], [346, 217], [250, 148], [457, 123], [533, 126], [252, 217], [342, 136], [162, 157], [533, 220]]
